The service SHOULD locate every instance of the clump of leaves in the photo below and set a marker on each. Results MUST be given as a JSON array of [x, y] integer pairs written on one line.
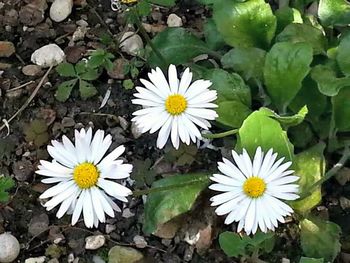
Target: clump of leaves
[[100, 59], [36, 132], [6, 183], [234, 245], [142, 173], [81, 74]]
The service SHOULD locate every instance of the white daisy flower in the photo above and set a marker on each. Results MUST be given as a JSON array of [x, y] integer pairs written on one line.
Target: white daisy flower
[[252, 190], [84, 177], [175, 107]]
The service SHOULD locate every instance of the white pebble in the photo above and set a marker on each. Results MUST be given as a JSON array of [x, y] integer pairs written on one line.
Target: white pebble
[[49, 55], [174, 21], [60, 10], [94, 242], [131, 43], [9, 248], [35, 260]]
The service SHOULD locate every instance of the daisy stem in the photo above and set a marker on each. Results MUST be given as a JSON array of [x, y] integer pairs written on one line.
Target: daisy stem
[[345, 157], [148, 39], [170, 187], [220, 135]]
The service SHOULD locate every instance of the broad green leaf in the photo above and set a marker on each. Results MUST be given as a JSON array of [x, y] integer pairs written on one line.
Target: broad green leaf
[[229, 86], [286, 16], [261, 130], [320, 238], [163, 206], [334, 12], [343, 55], [311, 260], [286, 66], [64, 89], [302, 135], [232, 113], [327, 81], [232, 244], [6, 183], [212, 36], [341, 109], [240, 59], [86, 89], [177, 46], [66, 70], [310, 96], [163, 2], [310, 167], [287, 121], [245, 24], [81, 67], [295, 33]]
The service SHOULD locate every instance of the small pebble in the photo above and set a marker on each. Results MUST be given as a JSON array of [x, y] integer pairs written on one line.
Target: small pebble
[[110, 228], [6, 49], [94, 242], [32, 70], [9, 248], [140, 241], [127, 213], [135, 130], [35, 260], [60, 10], [174, 21], [49, 55], [131, 43]]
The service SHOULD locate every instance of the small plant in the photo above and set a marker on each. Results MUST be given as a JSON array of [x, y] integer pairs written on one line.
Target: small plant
[[100, 59], [6, 183], [81, 73]]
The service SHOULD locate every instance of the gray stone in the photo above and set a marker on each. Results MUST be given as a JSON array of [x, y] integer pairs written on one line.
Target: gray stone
[[38, 224], [60, 10], [94, 242], [9, 248], [119, 254]]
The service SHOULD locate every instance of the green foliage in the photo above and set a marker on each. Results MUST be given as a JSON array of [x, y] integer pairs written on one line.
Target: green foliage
[[286, 16], [177, 46], [100, 58], [320, 238], [310, 166], [6, 183], [285, 68], [311, 260], [184, 155], [334, 12], [234, 245], [128, 84], [81, 74], [343, 55], [341, 109], [212, 36], [163, 2], [245, 24], [259, 129], [163, 206]]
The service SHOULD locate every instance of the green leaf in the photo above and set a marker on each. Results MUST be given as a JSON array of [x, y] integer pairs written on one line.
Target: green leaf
[[261, 130], [86, 89], [81, 67], [232, 113], [212, 36], [341, 109], [163, 206], [286, 16], [163, 2], [311, 260], [177, 46], [286, 66], [310, 167], [240, 59], [296, 33], [6, 183], [230, 86], [245, 24], [128, 84], [66, 70], [327, 81], [90, 74], [64, 90], [343, 55], [287, 121], [334, 12], [232, 244], [320, 238], [310, 96]]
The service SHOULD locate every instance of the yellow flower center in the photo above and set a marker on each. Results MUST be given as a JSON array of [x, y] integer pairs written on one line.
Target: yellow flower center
[[176, 104], [254, 187], [86, 175], [128, 1]]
